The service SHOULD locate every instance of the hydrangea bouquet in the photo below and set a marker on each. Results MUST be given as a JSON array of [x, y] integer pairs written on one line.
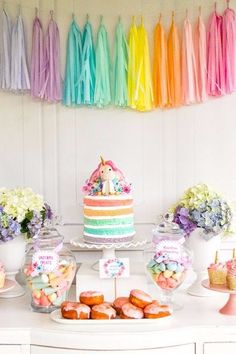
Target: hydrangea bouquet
[[202, 208], [22, 211]]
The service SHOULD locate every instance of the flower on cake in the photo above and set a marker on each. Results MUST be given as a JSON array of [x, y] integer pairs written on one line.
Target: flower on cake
[[107, 179], [200, 207], [22, 211]]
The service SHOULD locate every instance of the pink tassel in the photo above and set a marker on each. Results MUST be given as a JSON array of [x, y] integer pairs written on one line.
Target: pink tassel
[[229, 49], [51, 90], [215, 64], [37, 74], [201, 58], [189, 71]]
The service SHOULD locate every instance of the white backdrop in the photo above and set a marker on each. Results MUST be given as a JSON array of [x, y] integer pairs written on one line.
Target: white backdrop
[[53, 149]]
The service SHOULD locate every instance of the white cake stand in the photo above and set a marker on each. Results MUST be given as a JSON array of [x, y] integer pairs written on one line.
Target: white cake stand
[[108, 250]]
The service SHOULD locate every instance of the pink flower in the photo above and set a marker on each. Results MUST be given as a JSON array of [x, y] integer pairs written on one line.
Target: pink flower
[[127, 188]]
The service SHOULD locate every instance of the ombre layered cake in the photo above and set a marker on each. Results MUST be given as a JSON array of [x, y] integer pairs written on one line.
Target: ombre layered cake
[[108, 207]]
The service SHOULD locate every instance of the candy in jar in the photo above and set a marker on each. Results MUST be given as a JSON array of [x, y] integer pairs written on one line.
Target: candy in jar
[[49, 271]]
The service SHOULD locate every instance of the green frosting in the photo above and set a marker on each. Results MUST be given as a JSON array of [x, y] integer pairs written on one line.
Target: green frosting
[[113, 221], [110, 231]]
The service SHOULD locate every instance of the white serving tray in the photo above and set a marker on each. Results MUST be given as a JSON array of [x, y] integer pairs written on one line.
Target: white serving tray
[[57, 317]]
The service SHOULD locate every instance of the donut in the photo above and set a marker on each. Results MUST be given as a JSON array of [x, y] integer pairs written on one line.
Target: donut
[[139, 298], [119, 302], [103, 312], [75, 310], [91, 298], [155, 310], [129, 311]]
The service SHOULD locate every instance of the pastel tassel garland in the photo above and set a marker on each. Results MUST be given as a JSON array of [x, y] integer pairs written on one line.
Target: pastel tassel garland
[[120, 67], [201, 58], [72, 85], [51, 90], [88, 66], [143, 91], [5, 52], [229, 49], [37, 73], [160, 88], [215, 65], [174, 67], [19, 70], [132, 64], [189, 70]]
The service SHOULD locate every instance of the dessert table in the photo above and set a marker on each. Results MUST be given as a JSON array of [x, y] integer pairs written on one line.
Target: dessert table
[[196, 329]]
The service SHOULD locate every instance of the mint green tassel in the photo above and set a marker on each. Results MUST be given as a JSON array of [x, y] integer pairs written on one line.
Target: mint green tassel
[[120, 67], [72, 94], [103, 68], [88, 66]]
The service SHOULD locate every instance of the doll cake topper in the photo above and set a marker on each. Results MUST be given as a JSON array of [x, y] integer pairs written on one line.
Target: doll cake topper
[[107, 179]]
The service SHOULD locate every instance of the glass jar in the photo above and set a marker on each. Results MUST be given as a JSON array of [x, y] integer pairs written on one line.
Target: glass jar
[[49, 270], [167, 261]]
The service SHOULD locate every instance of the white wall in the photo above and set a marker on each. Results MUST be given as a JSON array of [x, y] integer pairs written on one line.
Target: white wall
[[53, 149]]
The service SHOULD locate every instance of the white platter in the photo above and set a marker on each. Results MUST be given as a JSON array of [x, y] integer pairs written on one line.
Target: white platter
[[8, 285], [57, 317]]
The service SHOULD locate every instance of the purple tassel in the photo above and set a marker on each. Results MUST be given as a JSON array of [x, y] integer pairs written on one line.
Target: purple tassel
[[37, 74], [51, 89]]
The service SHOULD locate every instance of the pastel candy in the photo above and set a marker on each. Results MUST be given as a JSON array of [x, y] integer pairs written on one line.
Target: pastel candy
[[51, 276], [151, 264], [180, 268], [168, 273], [36, 280], [36, 300], [162, 267], [44, 301], [177, 276], [52, 297], [36, 293], [172, 266], [44, 278], [59, 300], [157, 269], [39, 285], [49, 291], [172, 283]]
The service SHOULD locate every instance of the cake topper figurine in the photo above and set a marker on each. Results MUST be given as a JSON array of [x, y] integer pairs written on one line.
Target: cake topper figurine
[[107, 179]]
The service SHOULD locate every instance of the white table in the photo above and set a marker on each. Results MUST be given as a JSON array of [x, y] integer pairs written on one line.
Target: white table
[[196, 329]]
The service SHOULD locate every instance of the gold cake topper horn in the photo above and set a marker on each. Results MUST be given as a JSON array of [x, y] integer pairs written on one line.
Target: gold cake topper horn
[[102, 160], [216, 257]]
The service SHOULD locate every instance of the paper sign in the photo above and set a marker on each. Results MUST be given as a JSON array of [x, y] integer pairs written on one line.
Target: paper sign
[[45, 261], [170, 249], [114, 268]]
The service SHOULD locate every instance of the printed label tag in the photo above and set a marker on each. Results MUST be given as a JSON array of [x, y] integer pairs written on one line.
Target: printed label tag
[[170, 249], [114, 268], [45, 261]]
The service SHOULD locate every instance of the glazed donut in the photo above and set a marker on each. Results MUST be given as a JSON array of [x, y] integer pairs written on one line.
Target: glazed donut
[[156, 311], [129, 311], [139, 298], [119, 302], [91, 298], [75, 310], [103, 312]]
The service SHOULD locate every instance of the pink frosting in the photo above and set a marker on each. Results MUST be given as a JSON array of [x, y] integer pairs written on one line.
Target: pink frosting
[[141, 295], [231, 264], [104, 308], [154, 309], [217, 266], [2, 268], [77, 307], [132, 311], [90, 293]]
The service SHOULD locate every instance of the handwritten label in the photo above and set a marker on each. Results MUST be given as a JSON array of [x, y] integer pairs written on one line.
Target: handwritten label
[[45, 261], [114, 268], [172, 249]]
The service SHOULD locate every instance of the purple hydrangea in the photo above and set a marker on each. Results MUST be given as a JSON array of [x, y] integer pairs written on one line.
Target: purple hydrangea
[[182, 218]]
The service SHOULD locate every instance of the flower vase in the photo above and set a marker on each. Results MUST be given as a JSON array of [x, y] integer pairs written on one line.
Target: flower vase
[[12, 254], [203, 255]]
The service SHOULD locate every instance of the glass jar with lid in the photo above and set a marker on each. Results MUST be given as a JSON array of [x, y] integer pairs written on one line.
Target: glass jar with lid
[[167, 261], [49, 270]]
